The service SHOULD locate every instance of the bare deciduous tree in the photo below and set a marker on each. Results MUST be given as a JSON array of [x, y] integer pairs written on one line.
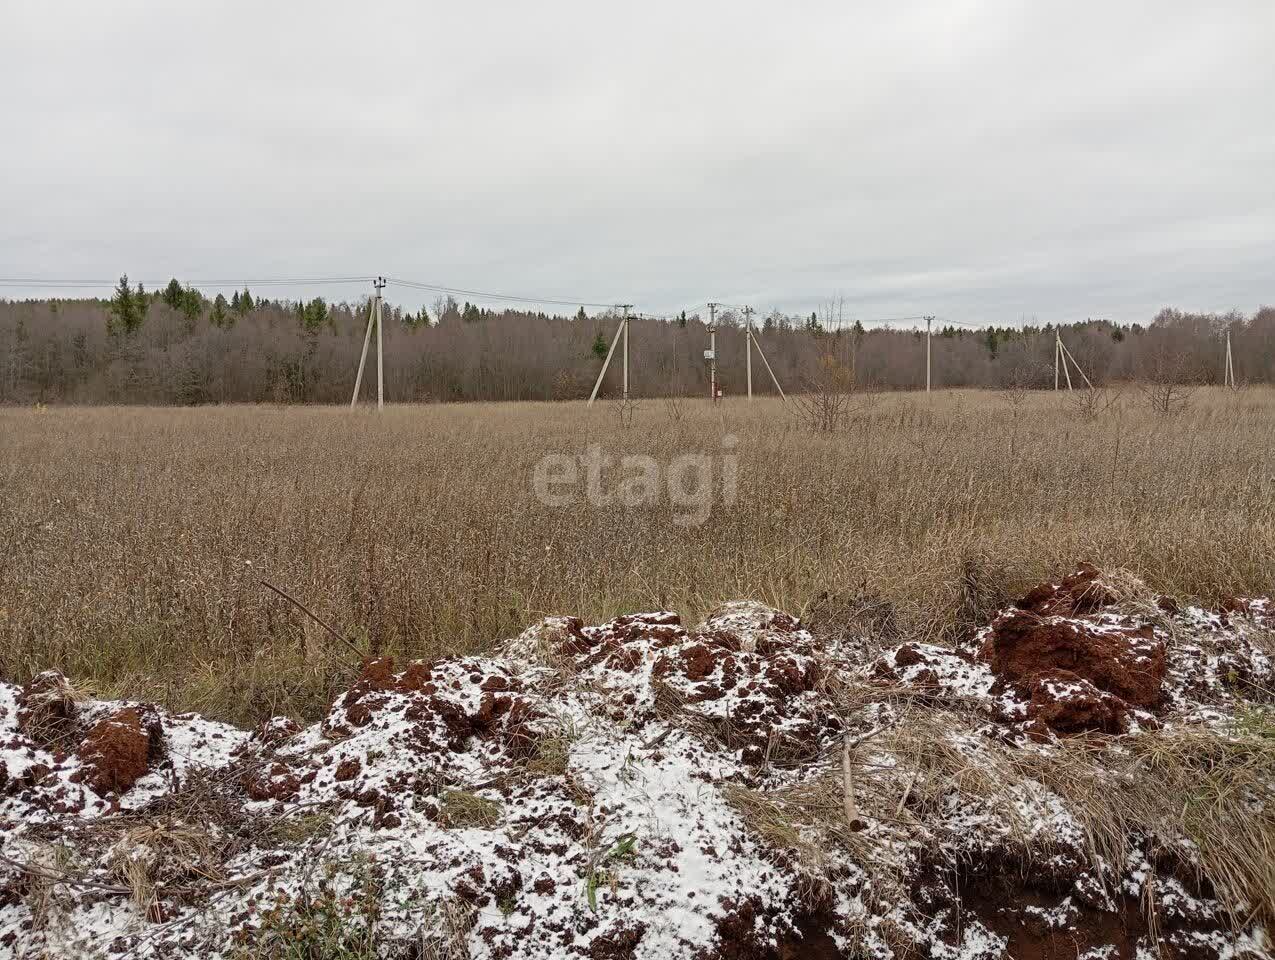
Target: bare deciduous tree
[[1164, 388], [61, 352], [826, 399]]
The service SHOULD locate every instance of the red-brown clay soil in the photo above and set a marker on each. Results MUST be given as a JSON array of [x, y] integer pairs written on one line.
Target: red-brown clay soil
[[1078, 594], [1083, 667], [1128, 662], [117, 750], [1068, 703]]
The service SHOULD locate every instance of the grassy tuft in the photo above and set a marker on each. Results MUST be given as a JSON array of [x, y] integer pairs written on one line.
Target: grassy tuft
[[463, 809]]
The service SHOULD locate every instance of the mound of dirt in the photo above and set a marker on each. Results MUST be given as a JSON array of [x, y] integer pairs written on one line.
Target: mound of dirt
[[646, 789], [749, 673], [1126, 661], [1084, 666], [1069, 703], [1080, 593], [119, 750], [46, 710]]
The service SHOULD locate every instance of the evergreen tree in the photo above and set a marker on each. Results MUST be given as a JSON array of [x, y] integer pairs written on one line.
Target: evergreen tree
[[681, 321], [192, 304], [234, 302], [245, 302], [599, 347], [126, 312], [314, 314], [581, 315], [218, 317], [174, 294]]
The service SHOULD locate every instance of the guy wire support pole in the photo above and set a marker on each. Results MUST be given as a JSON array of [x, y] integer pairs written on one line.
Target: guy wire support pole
[[712, 349], [621, 332], [373, 319], [1057, 355], [748, 335], [1068, 357], [1228, 374], [773, 379]]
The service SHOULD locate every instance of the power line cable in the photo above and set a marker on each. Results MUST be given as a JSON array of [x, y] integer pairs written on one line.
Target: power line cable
[[486, 294], [42, 283], [268, 282]]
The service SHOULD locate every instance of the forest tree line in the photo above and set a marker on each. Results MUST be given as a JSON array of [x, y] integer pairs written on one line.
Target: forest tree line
[[177, 346]]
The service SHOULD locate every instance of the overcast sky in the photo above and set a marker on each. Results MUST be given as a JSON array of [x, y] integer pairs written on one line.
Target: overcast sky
[[982, 161]]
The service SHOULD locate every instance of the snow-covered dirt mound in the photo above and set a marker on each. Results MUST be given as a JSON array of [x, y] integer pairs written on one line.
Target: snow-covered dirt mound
[[1092, 776]]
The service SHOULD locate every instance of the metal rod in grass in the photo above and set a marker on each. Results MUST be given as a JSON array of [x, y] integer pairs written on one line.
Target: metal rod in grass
[[313, 616]]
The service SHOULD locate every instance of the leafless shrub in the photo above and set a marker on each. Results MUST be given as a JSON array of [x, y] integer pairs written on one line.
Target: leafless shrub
[[1165, 390], [1015, 394], [625, 409], [1091, 405], [827, 397], [568, 385], [675, 407]]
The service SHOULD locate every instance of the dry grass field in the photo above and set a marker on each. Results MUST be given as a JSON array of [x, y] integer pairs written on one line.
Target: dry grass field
[[133, 540]]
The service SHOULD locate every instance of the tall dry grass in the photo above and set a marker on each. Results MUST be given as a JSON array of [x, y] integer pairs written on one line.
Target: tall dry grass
[[133, 540]]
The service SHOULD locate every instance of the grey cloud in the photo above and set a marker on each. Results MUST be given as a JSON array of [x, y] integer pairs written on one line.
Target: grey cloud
[[978, 160]]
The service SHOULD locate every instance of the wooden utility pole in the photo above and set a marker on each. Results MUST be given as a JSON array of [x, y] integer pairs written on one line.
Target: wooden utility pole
[[929, 322], [626, 350], [380, 347], [748, 335], [712, 352], [373, 318]]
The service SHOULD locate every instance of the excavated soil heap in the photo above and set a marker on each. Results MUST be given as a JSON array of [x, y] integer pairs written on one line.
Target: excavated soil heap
[[46, 709], [1083, 666], [1068, 703], [643, 788], [118, 750]]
